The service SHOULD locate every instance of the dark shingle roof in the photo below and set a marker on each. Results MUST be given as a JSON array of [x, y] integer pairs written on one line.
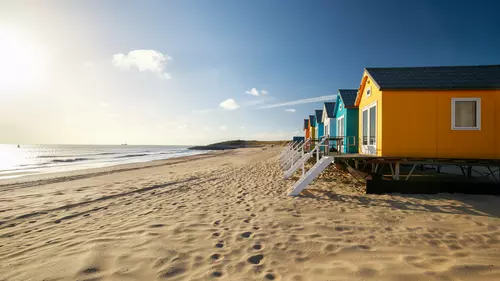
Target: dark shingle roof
[[306, 123], [312, 119], [348, 97], [330, 108], [319, 115], [438, 77]]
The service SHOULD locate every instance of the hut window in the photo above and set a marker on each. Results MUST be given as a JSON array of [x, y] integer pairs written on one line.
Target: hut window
[[465, 113], [369, 91]]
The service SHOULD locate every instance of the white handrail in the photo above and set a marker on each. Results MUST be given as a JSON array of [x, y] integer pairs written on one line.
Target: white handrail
[[287, 147], [292, 148], [294, 153]]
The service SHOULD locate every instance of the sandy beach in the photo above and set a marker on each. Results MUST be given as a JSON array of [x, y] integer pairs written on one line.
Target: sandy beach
[[225, 215]]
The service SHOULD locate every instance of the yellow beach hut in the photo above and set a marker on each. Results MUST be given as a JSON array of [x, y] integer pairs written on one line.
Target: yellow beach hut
[[430, 112]]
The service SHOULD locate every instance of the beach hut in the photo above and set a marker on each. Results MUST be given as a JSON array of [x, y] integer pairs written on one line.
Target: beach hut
[[346, 117], [298, 139], [319, 124], [312, 126], [306, 129], [430, 112], [328, 119]]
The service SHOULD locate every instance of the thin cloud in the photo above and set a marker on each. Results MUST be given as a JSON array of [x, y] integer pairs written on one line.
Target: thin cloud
[[144, 61], [223, 128], [229, 104], [302, 101], [256, 93], [290, 110], [182, 127], [103, 104]]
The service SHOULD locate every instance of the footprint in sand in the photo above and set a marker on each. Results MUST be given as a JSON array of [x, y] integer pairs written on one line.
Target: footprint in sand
[[246, 220], [216, 274], [215, 257], [217, 222], [270, 276], [220, 244], [246, 234], [216, 234], [257, 247], [255, 259]]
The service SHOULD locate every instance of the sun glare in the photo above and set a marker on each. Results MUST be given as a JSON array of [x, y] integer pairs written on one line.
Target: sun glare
[[22, 63]]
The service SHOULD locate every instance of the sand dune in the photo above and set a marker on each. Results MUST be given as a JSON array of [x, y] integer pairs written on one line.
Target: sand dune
[[225, 216]]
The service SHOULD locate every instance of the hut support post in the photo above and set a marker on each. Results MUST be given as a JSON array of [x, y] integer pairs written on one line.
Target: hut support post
[[392, 171], [493, 174], [397, 170], [356, 164], [469, 171], [411, 171], [463, 171]]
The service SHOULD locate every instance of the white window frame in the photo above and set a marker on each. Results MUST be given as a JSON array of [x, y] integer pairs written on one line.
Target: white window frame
[[368, 148], [340, 106], [478, 114], [369, 91]]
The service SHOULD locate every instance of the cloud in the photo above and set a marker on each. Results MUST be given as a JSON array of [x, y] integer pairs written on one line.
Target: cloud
[[223, 128], [229, 104], [290, 110], [182, 127], [88, 64], [206, 129], [255, 92], [144, 61], [103, 104], [243, 128], [302, 101]]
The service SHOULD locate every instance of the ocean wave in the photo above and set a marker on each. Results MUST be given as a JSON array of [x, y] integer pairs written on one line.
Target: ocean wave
[[68, 160], [131, 155], [66, 156]]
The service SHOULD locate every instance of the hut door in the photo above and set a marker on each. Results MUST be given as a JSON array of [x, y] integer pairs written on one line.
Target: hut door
[[341, 132], [369, 123]]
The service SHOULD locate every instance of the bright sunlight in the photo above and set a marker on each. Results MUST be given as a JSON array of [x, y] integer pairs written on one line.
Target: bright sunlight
[[22, 63]]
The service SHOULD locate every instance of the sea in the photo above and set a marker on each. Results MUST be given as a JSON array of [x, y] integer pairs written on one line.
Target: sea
[[28, 160]]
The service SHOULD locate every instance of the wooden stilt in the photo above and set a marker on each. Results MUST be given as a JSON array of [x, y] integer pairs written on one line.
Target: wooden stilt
[[469, 171], [463, 171], [411, 171], [397, 171]]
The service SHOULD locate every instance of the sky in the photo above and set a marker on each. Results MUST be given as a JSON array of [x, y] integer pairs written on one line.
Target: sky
[[197, 72]]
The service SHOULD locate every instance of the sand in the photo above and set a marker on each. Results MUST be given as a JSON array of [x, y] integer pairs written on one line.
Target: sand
[[226, 216]]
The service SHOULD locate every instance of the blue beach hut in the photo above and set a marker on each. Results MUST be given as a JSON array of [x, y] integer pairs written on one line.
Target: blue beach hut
[[346, 115]]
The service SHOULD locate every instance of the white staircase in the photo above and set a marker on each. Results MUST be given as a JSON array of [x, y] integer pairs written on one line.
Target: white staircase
[[299, 163], [304, 181]]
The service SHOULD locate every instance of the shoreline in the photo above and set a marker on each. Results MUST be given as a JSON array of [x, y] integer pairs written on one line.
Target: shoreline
[[52, 177]]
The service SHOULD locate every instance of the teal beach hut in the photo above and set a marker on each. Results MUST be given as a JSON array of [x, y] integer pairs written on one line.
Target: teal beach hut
[[346, 115], [319, 124]]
